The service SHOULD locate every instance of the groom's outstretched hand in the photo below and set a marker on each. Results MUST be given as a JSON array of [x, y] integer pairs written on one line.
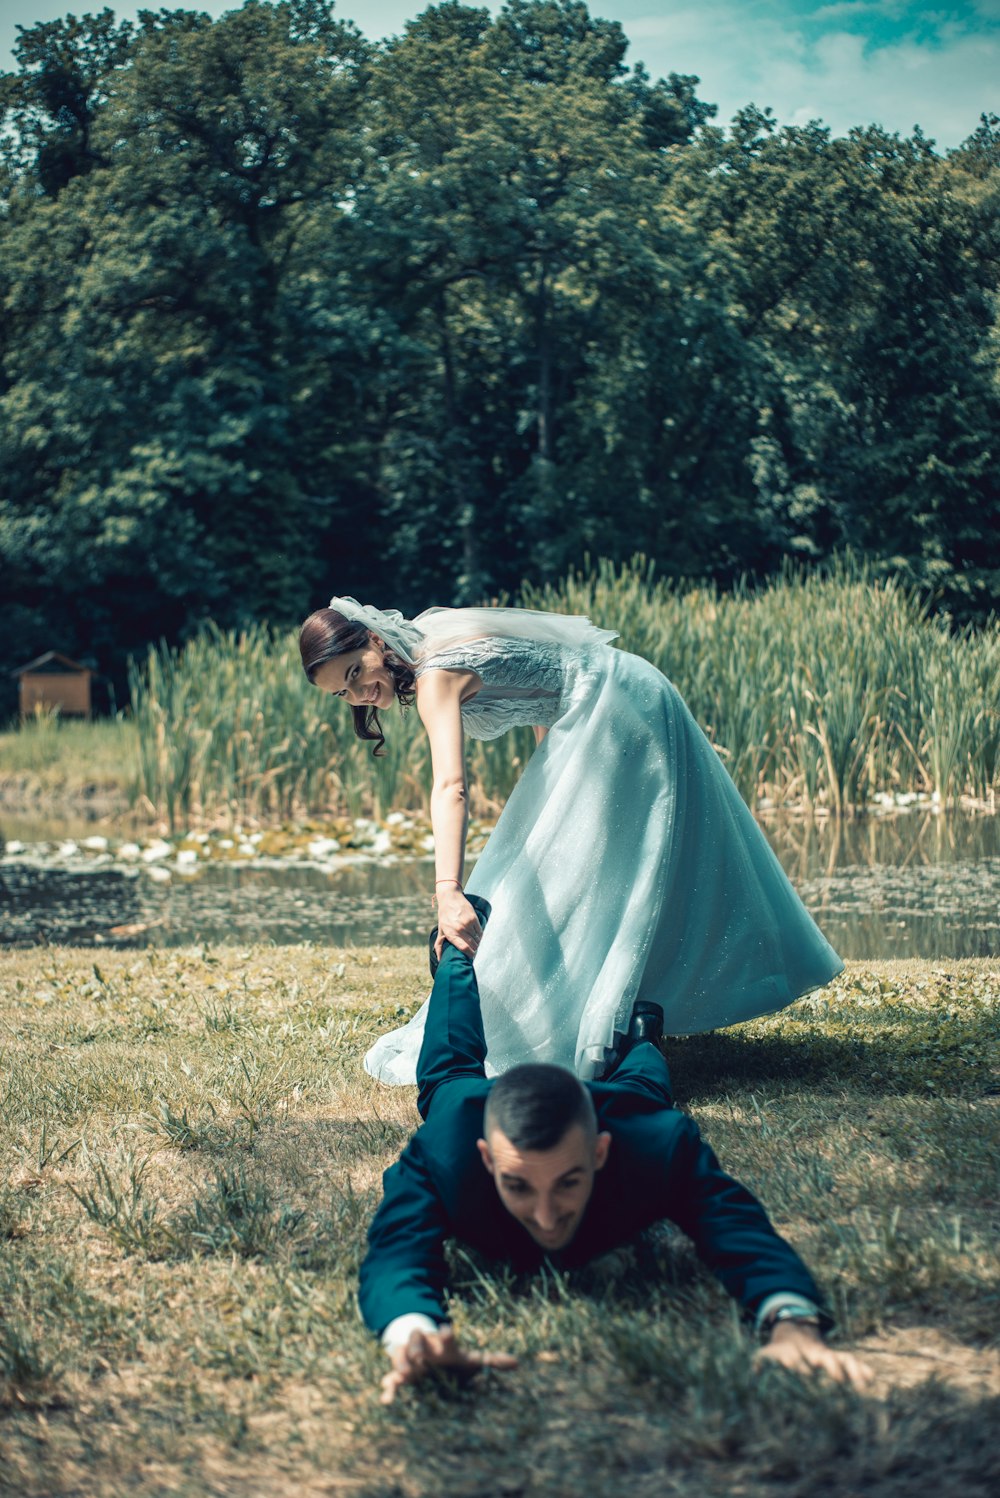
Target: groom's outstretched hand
[[423, 1351], [803, 1350]]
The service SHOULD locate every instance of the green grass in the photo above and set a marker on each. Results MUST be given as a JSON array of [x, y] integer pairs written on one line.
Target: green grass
[[190, 1156]]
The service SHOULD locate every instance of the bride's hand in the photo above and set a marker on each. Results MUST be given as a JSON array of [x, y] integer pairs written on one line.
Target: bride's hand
[[457, 922]]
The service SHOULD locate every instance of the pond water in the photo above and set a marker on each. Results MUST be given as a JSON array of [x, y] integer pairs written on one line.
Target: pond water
[[913, 884]]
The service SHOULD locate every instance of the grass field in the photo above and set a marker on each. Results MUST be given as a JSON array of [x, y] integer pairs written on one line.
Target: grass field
[[191, 1153]]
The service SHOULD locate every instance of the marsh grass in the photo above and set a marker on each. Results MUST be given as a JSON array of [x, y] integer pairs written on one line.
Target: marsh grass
[[184, 1208], [824, 689]]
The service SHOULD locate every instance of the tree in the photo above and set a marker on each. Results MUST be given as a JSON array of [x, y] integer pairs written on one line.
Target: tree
[[862, 273], [285, 313], [514, 196], [168, 351], [51, 105]]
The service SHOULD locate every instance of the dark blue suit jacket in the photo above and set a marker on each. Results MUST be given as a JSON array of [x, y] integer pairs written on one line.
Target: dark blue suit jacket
[[658, 1168]]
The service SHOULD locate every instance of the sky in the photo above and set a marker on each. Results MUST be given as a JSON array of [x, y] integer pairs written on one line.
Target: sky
[[848, 62]]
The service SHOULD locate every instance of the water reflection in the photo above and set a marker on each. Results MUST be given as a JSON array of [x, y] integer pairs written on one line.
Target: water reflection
[[809, 849], [914, 885], [919, 885]]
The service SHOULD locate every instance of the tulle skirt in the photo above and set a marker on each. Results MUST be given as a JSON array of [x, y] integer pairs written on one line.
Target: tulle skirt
[[625, 866]]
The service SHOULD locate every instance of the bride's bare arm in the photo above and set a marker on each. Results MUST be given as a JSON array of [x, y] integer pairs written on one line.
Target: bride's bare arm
[[440, 695]]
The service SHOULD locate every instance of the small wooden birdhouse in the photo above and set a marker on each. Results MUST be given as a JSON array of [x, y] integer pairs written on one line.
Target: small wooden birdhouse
[[52, 681]]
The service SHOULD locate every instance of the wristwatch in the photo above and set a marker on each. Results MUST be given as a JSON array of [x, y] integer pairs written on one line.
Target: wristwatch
[[790, 1313]]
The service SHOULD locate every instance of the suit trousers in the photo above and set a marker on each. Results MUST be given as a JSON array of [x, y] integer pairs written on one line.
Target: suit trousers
[[454, 1043]]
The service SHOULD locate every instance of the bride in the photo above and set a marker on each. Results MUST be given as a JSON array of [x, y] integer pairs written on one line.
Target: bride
[[625, 864]]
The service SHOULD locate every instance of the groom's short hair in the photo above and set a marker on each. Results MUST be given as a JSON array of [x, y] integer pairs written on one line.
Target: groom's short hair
[[535, 1104]]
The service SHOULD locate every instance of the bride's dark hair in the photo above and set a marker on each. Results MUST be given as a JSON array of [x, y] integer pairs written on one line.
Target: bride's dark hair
[[327, 634]]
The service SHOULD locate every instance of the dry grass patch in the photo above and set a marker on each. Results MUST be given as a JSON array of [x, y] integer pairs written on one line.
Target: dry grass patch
[[190, 1154]]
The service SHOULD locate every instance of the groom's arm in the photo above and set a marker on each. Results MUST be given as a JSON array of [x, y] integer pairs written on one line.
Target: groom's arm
[[735, 1239], [404, 1271], [454, 1045], [403, 1277], [733, 1235]]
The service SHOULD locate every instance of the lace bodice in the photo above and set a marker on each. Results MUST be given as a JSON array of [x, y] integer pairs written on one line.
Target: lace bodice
[[524, 682]]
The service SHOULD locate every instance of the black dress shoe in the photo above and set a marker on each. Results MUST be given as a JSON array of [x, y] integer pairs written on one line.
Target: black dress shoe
[[645, 1026]]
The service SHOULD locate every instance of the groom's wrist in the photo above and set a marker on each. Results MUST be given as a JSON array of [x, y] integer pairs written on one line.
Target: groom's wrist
[[401, 1328], [787, 1306]]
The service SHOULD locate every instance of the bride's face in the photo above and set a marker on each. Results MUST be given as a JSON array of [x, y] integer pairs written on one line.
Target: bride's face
[[361, 677]]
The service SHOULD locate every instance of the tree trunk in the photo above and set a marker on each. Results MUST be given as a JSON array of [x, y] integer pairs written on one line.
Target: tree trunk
[[464, 509]]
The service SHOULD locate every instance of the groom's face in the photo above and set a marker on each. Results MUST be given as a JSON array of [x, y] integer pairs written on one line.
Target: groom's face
[[546, 1190]]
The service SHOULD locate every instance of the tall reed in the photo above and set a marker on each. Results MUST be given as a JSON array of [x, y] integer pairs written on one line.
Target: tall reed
[[230, 727], [819, 690]]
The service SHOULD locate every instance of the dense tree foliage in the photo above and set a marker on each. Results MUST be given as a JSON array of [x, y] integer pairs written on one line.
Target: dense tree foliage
[[286, 312]]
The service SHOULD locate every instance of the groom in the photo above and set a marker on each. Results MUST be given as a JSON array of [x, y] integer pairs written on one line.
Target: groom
[[538, 1166]]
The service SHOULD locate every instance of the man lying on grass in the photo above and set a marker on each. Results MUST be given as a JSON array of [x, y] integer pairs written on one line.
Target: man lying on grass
[[536, 1165]]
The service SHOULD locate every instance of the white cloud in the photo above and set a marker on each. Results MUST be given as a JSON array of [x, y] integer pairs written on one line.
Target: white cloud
[[746, 51], [844, 9], [769, 52]]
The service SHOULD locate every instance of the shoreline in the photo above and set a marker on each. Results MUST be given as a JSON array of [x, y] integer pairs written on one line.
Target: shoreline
[[27, 795], [106, 805], [911, 882]]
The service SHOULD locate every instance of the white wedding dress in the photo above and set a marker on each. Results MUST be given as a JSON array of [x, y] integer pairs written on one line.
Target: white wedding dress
[[625, 865]]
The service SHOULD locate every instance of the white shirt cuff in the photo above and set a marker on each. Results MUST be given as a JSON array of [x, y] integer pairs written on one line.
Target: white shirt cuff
[[398, 1331], [780, 1299]]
